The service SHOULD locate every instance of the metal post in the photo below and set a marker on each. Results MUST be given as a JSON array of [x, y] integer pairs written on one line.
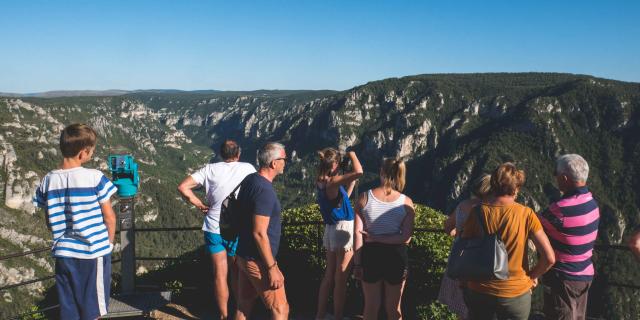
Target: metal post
[[128, 243]]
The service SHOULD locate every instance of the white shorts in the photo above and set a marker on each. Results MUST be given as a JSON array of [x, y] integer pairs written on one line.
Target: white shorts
[[338, 236]]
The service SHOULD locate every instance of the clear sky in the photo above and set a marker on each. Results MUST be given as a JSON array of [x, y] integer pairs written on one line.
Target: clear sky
[[242, 45]]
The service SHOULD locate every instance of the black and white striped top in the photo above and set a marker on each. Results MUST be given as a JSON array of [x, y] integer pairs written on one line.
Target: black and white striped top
[[383, 217]]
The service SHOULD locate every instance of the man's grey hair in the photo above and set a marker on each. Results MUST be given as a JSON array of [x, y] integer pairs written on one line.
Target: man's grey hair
[[574, 166], [268, 153]]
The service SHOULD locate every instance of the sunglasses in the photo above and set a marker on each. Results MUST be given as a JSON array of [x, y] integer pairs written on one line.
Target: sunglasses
[[283, 159]]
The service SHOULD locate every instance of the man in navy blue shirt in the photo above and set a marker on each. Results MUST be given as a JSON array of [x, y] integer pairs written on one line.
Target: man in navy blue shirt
[[259, 237]]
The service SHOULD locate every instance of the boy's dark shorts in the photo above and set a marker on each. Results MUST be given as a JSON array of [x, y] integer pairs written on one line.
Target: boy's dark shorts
[[83, 287]]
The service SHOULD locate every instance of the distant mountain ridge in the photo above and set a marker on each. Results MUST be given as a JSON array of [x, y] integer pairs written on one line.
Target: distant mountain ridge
[[449, 128], [67, 93], [93, 93], [117, 92]]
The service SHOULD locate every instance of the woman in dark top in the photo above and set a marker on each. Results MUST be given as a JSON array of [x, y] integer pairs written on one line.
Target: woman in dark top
[[337, 213]]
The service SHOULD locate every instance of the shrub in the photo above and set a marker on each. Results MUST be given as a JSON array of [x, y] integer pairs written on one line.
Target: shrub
[[302, 259]]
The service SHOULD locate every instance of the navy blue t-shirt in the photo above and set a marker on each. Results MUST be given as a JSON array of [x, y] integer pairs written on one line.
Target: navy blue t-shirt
[[257, 196]]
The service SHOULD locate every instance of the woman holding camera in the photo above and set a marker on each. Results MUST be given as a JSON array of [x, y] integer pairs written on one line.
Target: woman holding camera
[[383, 227], [333, 191]]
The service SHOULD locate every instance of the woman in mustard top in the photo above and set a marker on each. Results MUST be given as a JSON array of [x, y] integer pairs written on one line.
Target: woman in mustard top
[[515, 224]]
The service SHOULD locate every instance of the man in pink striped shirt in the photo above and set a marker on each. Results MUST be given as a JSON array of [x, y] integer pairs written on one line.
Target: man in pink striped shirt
[[571, 224]]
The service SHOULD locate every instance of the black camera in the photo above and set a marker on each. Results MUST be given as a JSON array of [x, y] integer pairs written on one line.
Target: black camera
[[345, 163]]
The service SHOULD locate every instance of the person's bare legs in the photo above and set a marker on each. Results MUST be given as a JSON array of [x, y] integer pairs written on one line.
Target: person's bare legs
[[233, 277], [393, 300], [280, 312], [219, 264], [372, 295], [246, 297], [326, 285], [343, 266], [244, 308]]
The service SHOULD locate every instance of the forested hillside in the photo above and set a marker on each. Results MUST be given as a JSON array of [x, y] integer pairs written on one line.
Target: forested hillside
[[450, 128]]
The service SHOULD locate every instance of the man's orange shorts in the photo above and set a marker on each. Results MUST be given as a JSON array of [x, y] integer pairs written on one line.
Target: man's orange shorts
[[253, 281]]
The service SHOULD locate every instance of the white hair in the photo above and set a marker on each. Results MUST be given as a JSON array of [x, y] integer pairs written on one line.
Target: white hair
[[268, 153], [574, 166]]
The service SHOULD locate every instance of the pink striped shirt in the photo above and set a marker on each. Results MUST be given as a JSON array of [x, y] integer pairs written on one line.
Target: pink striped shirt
[[572, 227]]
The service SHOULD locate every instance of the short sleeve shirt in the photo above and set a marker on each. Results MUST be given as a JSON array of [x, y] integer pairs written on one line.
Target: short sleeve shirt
[[71, 199], [514, 224], [257, 197], [571, 224], [219, 179]]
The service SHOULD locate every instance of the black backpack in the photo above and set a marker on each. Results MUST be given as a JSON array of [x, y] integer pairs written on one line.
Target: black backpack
[[229, 216]]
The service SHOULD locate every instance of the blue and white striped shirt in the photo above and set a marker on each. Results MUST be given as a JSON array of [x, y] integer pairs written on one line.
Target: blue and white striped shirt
[[71, 199]]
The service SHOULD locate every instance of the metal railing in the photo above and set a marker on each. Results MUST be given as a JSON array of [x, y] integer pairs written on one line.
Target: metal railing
[[318, 224], [28, 282]]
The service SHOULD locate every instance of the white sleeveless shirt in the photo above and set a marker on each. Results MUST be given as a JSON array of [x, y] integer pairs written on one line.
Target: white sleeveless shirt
[[383, 217]]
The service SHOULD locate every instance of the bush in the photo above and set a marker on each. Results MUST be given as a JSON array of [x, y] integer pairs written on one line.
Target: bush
[[302, 259], [435, 310]]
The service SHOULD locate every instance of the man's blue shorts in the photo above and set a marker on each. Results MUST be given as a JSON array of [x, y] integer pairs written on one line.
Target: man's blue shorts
[[214, 243], [83, 287]]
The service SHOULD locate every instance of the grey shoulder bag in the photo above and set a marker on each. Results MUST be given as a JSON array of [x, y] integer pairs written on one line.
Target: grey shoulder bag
[[478, 258]]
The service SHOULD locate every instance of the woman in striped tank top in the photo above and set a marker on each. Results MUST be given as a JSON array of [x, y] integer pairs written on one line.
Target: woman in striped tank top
[[383, 227], [337, 213]]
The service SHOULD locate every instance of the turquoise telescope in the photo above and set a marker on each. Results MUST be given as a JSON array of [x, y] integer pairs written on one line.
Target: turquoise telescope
[[124, 174]]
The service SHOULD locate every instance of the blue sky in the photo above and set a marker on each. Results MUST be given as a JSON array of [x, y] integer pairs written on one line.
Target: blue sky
[[241, 45]]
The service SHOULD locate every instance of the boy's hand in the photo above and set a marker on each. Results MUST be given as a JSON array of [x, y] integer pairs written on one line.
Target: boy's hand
[[109, 217]]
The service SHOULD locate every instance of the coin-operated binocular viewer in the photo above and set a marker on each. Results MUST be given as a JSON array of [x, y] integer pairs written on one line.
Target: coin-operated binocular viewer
[[124, 174]]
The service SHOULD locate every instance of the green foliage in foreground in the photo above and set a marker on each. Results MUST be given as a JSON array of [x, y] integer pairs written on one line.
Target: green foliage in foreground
[[428, 252], [302, 261]]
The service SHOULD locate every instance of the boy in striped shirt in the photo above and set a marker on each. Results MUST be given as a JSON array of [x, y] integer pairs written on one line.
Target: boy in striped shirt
[[77, 207], [572, 226]]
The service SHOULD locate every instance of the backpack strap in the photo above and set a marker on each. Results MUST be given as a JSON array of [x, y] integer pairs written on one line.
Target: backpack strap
[[457, 210], [484, 227], [480, 220], [235, 189]]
